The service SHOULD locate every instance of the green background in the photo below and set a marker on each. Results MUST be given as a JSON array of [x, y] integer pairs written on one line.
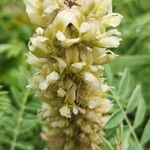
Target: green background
[[18, 102]]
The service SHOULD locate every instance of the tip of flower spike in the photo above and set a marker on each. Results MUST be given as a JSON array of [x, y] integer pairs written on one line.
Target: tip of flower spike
[[70, 3]]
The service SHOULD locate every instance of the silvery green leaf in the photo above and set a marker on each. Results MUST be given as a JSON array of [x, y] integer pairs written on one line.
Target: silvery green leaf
[[107, 144], [133, 100], [129, 61], [135, 146], [124, 85], [115, 119], [109, 74], [140, 113]]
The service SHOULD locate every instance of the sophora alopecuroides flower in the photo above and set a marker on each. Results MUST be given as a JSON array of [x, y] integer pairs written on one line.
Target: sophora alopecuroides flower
[[68, 50]]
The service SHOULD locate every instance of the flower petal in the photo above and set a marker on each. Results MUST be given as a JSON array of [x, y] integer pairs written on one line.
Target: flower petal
[[65, 112]]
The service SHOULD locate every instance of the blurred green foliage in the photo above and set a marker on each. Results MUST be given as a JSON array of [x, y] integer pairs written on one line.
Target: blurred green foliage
[[135, 46], [17, 102], [19, 126]]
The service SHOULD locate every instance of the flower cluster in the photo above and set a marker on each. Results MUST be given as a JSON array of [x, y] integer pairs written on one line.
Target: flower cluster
[[68, 49]]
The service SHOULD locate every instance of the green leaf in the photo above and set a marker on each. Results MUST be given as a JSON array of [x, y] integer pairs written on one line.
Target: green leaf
[[5, 47], [140, 113], [107, 143], [133, 62], [118, 3], [135, 146], [124, 85], [11, 50], [4, 103], [115, 119], [109, 74], [16, 95], [146, 133], [28, 125], [133, 100]]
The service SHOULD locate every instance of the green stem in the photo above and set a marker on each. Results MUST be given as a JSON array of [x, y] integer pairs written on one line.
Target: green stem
[[19, 121], [127, 119], [108, 144]]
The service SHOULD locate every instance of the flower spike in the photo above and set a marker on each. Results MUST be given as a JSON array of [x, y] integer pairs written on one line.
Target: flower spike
[[68, 51]]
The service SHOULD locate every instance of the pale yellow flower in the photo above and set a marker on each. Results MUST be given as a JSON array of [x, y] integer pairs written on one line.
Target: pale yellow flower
[[68, 50]]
